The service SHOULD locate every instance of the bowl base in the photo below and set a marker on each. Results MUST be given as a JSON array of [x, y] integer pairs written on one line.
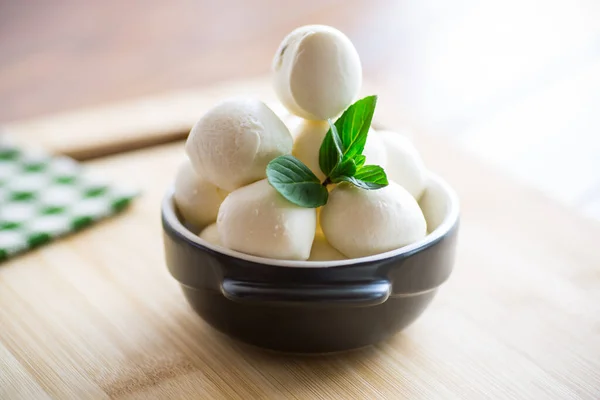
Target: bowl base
[[300, 330]]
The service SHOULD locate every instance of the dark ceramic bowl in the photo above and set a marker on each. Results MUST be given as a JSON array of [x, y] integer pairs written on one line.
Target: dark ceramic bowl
[[308, 306]]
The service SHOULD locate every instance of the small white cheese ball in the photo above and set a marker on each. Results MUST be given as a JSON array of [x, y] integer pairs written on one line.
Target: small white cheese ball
[[317, 72], [279, 110], [197, 199], [211, 234], [257, 220], [374, 152], [235, 140], [405, 165], [319, 229], [290, 120], [435, 205], [361, 222], [308, 136], [323, 251]]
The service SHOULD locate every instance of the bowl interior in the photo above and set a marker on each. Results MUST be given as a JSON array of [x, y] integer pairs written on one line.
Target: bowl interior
[[439, 204]]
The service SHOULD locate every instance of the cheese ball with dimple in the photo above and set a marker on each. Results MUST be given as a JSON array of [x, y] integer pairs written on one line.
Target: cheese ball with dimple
[[360, 222], [257, 220], [405, 165], [196, 198], [308, 136], [317, 72], [211, 234], [235, 140], [323, 251]]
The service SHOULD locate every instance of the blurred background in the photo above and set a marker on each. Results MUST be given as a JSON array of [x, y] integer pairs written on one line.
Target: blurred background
[[516, 82]]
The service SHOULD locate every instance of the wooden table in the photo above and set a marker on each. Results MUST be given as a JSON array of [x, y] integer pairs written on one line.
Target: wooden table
[[97, 316]]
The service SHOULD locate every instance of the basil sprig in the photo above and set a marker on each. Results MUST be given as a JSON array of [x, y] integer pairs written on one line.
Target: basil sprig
[[340, 160]]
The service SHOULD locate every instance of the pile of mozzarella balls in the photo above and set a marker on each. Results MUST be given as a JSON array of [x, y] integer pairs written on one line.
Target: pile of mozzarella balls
[[221, 191]]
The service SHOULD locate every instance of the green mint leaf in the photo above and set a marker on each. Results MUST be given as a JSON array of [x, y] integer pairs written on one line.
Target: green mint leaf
[[359, 183], [330, 153], [340, 155], [344, 168], [369, 177], [352, 129], [335, 135], [296, 182], [372, 173], [354, 124], [359, 160]]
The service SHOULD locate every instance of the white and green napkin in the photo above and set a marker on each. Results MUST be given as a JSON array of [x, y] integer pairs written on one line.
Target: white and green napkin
[[43, 197]]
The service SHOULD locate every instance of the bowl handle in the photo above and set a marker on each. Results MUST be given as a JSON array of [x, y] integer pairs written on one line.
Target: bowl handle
[[347, 294]]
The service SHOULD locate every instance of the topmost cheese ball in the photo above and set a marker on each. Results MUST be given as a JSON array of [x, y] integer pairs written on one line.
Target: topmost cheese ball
[[317, 72], [234, 141]]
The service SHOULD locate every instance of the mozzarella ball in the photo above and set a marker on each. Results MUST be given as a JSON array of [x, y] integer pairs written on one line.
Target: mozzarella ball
[[309, 135], [257, 220], [374, 151], [405, 165], [317, 72], [211, 234], [323, 251], [360, 222], [319, 229], [290, 120], [235, 140], [197, 199], [279, 110], [435, 205]]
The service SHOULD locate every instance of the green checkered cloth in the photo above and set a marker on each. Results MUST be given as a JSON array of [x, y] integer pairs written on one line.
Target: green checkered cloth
[[43, 197]]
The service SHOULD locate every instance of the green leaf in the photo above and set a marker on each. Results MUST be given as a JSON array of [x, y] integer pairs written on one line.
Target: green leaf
[[354, 124], [359, 183], [352, 129], [330, 153], [359, 160], [344, 168], [296, 182], [369, 177], [335, 135], [371, 173]]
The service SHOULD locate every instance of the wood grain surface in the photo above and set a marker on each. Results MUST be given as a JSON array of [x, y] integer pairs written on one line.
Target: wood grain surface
[[97, 316]]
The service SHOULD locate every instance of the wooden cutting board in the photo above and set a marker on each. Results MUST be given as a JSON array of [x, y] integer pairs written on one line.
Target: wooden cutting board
[[97, 316]]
